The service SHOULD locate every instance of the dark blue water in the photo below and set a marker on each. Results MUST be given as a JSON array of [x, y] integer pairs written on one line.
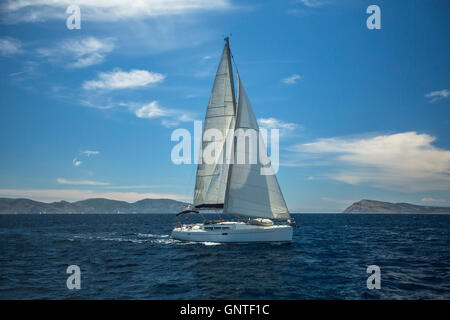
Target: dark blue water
[[133, 257]]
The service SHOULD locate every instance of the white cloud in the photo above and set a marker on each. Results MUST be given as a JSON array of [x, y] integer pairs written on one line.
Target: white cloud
[[90, 152], [285, 128], [170, 123], [272, 123], [403, 161], [312, 3], [77, 194], [76, 162], [107, 185], [150, 110], [118, 79], [438, 95], [141, 187], [105, 10], [432, 200], [88, 60], [98, 102], [303, 7], [82, 52], [10, 46], [81, 182], [169, 117], [175, 117], [292, 79], [89, 45]]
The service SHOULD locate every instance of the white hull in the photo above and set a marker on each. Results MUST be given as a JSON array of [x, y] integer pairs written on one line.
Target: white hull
[[233, 232]]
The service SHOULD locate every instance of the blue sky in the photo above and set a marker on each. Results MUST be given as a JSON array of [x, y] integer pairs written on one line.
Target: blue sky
[[364, 114]]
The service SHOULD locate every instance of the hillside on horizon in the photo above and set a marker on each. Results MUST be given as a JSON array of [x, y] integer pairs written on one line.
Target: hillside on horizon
[[93, 205]]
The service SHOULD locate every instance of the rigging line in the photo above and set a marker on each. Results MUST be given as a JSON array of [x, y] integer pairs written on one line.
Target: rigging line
[[235, 65]]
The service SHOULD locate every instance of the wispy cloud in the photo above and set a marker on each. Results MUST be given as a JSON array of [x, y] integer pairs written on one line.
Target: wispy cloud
[[118, 79], [78, 52], [284, 128], [100, 10], [312, 3], [29, 70], [403, 161], [273, 123], [433, 200], [146, 110], [10, 46], [79, 194], [169, 117], [81, 182], [90, 152], [86, 153], [292, 79], [304, 7], [107, 185], [141, 187], [438, 95], [76, 162], [151, 110]]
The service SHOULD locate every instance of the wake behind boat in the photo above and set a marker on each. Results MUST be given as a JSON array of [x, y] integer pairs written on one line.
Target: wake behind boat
[[237, 188]]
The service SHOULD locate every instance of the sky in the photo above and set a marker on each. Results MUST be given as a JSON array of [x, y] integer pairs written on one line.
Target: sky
[[363, 114]]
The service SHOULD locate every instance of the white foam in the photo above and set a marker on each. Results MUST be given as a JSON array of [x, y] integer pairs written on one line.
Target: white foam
[[157, 239], [152, 235], [207, 243]]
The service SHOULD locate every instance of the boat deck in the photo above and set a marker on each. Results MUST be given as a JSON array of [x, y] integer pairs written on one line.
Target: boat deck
[[233, 232]]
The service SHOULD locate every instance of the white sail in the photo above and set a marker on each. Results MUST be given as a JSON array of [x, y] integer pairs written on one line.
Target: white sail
[[249, 193], [211, 179]]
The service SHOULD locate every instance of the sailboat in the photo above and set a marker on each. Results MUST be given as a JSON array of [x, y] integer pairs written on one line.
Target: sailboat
[[238, 189]]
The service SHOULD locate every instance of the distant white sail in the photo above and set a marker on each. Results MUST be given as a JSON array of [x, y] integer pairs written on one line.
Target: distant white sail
[[249, 192], [211, 179]]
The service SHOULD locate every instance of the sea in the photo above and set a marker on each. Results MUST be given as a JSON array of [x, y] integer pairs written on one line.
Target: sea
[[132, 256]]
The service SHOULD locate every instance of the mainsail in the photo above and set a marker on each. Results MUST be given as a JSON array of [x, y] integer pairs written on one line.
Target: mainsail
[[211, 179], [249, 193]]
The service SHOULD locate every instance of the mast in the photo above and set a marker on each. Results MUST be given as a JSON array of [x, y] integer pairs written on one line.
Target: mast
[[230, 72], [211, 179], [233, 149]]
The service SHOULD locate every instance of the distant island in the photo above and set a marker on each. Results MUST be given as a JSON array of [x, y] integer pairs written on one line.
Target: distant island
[[107, 206], [96, 205], [372, 206]]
